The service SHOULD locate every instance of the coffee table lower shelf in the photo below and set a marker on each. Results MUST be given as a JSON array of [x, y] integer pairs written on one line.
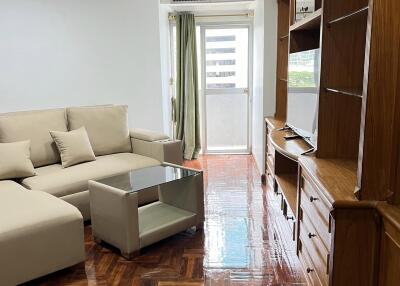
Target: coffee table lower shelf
[[159, 220]]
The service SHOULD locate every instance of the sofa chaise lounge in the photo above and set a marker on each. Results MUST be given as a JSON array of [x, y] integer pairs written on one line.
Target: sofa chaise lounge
[[41, 229]]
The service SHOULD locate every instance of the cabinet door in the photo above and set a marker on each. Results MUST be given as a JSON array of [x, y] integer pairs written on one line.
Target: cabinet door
[[389, 270]]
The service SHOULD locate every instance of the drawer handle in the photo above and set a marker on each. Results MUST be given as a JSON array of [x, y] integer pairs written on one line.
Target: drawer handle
[[289, 218], [269, 155], [310, 235], [312, 199], [309, 270]]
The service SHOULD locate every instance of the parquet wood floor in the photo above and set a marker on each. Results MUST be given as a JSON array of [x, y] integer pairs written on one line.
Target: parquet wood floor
[[246, 241]]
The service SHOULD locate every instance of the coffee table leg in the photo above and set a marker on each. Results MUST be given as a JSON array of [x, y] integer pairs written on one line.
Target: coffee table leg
[[130, 256]]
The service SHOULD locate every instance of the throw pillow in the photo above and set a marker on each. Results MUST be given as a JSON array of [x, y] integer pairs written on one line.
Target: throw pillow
[[15, 160], [74, 146]]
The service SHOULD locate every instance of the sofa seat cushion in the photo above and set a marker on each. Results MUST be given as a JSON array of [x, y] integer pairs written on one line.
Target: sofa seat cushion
[[10, 186], [39, 234], [61, 182], [34, 126], [34, 209]]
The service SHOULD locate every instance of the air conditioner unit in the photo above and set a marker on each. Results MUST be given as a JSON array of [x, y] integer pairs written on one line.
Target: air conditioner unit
[[204, 1]]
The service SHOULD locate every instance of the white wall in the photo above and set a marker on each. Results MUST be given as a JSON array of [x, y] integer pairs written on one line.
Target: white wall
[[75, 52], [166, 62], [264, 74]]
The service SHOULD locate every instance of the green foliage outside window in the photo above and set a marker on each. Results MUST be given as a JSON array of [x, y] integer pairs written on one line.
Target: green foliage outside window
[[301, 79]]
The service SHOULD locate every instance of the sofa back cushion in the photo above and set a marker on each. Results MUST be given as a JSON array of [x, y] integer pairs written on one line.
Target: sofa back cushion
[[107, 127], [34, 126]]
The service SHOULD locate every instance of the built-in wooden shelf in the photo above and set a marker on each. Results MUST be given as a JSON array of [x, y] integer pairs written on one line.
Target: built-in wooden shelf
[[348, 16], [311, 22], [344, 92], [288, 184]]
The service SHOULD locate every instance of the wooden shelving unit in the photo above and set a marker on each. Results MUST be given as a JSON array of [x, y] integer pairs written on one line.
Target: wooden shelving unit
[[342, 78], [349, 190]]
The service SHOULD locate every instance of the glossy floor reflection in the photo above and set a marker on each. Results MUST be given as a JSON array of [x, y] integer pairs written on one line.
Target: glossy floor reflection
[[246, 240]]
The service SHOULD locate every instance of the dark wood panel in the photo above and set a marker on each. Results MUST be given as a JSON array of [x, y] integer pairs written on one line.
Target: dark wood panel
[[339, 8], [355, 246], [343, 54], [338, 126], [389, 263], [304, 40], [283, 21], [283, 17], [281, 99], [379, 104], [342, 80], [389, 269]]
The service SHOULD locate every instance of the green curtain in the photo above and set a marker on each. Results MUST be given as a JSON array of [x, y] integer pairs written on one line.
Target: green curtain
[[187, 120]]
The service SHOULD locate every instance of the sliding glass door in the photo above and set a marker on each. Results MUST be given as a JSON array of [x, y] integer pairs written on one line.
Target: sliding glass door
[[224, 53], [225, 88]]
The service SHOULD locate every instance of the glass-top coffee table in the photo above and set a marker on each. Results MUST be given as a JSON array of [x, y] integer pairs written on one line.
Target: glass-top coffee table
[[118, 220]]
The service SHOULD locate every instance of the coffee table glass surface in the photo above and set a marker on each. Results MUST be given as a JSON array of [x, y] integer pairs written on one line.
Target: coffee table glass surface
[[139, 180]]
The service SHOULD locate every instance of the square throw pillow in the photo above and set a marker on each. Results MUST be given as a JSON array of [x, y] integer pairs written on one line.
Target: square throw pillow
[[15, 160], [74, 147]]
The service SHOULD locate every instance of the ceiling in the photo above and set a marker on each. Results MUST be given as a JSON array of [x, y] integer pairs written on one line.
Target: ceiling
[[210, 7]]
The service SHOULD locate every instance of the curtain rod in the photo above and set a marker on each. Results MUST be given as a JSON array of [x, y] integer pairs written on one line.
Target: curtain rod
[[172, 17]]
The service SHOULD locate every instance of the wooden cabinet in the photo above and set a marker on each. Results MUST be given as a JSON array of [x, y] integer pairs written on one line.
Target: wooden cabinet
[[389, 266], [346, 196]]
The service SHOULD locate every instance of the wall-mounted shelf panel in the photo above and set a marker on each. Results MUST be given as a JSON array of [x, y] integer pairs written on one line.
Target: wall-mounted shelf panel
[[348, 16], [344, 92]]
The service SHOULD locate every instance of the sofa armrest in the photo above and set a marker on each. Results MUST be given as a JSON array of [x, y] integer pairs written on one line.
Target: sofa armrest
[[148, 135], [156, 145]]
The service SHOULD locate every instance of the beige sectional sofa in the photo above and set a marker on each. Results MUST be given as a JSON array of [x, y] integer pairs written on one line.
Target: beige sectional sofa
[[39, 234], [41, 229]]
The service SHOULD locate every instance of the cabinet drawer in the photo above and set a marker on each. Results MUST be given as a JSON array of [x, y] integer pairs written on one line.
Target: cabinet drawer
[[316, 226], [270, 157], [319, 264], [309, 270], [309, 216], [315, 247], [312, 202], [270, 177]]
